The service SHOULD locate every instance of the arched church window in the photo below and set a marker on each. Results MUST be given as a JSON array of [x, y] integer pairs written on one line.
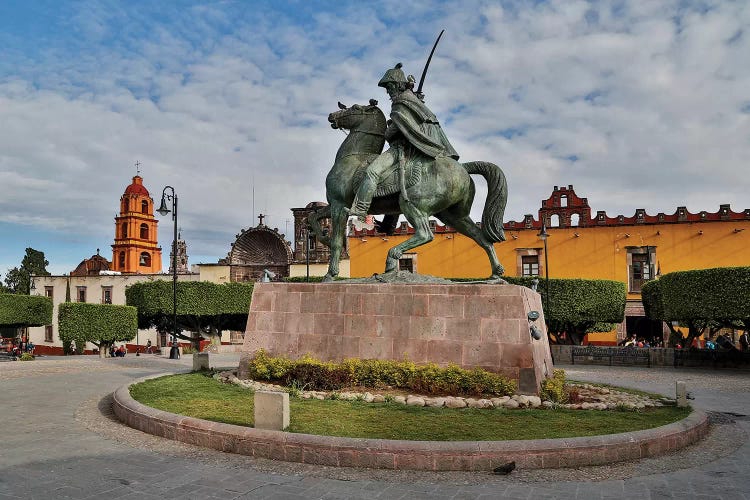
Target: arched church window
[[144, 231], [124, 230], [145, 259], [121, 260], [144, 207], [554, 221], [563, 200], [575, 219], [126, 205]]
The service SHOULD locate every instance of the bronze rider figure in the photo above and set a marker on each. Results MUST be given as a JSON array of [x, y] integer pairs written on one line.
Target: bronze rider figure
[[413, 130]]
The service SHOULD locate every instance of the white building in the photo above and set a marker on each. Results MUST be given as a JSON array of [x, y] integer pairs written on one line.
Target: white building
[[105, 288]]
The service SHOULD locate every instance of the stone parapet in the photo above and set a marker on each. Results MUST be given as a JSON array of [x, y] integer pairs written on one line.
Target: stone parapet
[[470, 325]]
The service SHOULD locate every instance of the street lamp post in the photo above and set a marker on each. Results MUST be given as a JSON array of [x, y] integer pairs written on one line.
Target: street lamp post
[[174, 352], [543, 235], [307, 254]]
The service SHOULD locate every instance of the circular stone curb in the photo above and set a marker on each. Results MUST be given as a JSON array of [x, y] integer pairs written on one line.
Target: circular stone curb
[[413, 455]]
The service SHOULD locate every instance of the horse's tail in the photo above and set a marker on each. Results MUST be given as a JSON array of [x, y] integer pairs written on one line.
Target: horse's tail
[[497, 197], [313, 222]]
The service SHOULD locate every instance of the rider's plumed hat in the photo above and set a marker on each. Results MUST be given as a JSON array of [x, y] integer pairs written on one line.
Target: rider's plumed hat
[[393, 75]]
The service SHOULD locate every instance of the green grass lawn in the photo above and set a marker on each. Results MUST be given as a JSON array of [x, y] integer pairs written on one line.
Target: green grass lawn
[[197, 395]]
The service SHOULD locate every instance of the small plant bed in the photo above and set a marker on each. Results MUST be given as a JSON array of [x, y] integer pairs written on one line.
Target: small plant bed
[[315, 375], [201, 396]]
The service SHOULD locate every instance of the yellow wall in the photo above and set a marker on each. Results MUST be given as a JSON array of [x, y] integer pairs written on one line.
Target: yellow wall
[[598, 252], [298, 270]]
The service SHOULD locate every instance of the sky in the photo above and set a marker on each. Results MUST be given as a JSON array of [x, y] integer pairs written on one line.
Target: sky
[[636, 103]]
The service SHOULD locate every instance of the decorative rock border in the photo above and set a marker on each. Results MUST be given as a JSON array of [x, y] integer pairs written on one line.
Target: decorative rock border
[[414, 455], [593, 397]]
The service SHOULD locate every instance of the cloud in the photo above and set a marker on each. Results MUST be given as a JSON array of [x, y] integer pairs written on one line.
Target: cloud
[[638, 104]]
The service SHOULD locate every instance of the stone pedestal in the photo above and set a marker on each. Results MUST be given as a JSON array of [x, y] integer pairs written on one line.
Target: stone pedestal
[[200, 361], [471, 325], [271, 410]]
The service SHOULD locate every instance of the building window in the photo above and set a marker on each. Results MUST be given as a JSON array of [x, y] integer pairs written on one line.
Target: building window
[[145, 259], [126, 205], [144, 207], [641, 267], [144, 231], [106, 295], [408, 262], [121, 260], [81, 293], [48, 291], [530, 265], [563, 200], [48, 333], [124, 230]]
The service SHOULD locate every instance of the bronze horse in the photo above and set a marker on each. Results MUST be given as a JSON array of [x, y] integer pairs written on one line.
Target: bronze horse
[[444, 189]]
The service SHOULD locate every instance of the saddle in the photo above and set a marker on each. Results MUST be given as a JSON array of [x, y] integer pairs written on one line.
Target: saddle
[[390, 181]]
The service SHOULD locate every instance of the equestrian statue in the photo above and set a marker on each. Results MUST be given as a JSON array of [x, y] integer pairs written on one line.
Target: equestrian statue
[[418, 176]]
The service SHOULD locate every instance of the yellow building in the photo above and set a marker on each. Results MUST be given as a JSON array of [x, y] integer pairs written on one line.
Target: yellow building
[[628, 249]]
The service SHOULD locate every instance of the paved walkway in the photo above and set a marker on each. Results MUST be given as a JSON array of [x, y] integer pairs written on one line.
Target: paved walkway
[[59, 441]]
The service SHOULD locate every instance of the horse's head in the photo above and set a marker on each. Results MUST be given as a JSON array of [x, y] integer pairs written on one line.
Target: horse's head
[[368, 118]]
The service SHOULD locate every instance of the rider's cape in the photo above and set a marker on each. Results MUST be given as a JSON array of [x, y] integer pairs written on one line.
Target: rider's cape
[[420, 126]]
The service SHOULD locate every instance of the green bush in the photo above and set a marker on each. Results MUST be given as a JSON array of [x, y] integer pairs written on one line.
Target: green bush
[[101, 324], [26, 357], [18, 311], [372, 373], [553, 389]]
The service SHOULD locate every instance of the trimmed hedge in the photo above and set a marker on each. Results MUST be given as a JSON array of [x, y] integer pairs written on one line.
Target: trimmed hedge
[[721, 294], [194, 298], [201, 305], [700, 299], [18, 311], [96, 323], [312, 374]]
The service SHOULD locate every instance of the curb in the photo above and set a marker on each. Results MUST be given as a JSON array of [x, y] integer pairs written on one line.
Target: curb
[[412, 455]]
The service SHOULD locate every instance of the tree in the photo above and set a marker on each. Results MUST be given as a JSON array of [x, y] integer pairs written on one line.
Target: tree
[[203, 308], [19, 311], [704, 300], [18, 279], [100, 324], [578, 306]]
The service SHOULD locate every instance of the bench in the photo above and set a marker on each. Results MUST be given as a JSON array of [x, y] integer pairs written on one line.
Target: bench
[[625, 355]]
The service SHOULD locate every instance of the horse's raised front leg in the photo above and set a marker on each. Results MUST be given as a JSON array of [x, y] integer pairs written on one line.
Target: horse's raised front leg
[[422, 234], [338, 230]]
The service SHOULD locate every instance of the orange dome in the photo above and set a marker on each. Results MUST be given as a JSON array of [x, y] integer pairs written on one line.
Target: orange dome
[[137, 187]]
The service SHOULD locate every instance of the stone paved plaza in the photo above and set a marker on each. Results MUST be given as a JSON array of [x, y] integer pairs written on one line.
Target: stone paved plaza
[[59, 440]]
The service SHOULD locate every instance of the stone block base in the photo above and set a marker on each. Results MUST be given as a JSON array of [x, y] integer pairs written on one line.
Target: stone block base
[[470, 325]]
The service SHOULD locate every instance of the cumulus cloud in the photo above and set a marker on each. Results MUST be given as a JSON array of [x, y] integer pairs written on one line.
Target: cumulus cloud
[[638, 104]]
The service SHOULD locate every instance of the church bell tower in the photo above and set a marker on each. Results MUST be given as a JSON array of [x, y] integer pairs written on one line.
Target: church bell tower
[[136, 250]]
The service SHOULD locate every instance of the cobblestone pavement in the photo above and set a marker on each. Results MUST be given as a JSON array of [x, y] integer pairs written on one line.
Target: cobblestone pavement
[[59, 440]]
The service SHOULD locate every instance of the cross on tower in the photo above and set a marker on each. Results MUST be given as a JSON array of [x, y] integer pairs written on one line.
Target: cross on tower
[[261, 217], [138, 167]]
